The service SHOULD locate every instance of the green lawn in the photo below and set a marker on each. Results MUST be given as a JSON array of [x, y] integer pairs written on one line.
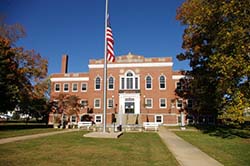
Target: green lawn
[[230, 150], [21, 132], [73, 149]]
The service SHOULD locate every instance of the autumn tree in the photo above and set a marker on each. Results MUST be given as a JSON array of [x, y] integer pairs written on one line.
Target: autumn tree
[[217, 45], [23, 73]]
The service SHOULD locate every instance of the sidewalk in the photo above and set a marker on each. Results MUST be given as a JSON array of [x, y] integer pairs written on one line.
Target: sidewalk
[[185, 153], [20, 138]]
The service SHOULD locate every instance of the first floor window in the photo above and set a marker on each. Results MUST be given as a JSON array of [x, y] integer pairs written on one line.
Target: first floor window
[[98, 119], [148, 103], [163, 103], [158, 118], [57, 87], [110, 103], [65, 87], [73, 118], [97, 103], [84, 103], [179, 103]]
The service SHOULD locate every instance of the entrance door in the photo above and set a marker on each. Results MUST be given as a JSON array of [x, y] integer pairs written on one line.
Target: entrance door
[[129, 107]]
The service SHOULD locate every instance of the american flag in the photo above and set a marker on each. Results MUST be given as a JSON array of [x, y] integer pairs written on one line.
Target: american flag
[[110, 43]]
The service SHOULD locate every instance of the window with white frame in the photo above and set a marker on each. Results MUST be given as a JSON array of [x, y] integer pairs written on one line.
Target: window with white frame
[[189, 103], [159, 118], [111, 83], [149, 103], [84, 87], [148, 83], [163, 103], [97, 103], [57, 88], [129, 81], [110, 103], [162, 82], [74, 87], [65, 87], [84, 103], [179, 103], [73, 119], [98, 83], [98, 118]]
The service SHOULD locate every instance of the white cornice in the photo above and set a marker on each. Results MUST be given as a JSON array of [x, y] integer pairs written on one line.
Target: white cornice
[[177, 77], [63, 79], [165, 64]]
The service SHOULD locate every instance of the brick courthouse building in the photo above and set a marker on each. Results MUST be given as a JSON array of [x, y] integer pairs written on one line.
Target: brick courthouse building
[[139, 90]]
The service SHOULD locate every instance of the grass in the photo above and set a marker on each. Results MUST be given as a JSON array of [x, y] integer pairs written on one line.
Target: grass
[[73, 149], [22, 132], [224, 146]]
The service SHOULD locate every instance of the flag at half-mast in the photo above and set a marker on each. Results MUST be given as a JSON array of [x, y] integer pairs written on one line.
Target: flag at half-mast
[[110, 43]]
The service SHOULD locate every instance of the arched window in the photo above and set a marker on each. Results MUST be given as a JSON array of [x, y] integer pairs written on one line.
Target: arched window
[[148, 82], [162, 81], [129, 81], [97, 83], [111, 83]]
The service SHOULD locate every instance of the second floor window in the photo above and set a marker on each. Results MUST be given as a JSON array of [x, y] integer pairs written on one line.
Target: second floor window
[[111, 83], [148, 82], [162, 82], [66, 87], [97, 83], [84, 87], [129, 81], [57, 87], [74, 87]]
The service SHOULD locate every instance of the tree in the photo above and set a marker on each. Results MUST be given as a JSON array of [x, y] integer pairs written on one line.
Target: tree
[[217, 45], [23, 73]]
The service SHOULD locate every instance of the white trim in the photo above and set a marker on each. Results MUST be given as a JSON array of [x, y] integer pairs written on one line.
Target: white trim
[[177, 77], [163, 64], [101, 118], [63, 79]]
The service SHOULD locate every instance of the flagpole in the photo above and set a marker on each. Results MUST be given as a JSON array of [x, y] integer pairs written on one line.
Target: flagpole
[[105, 71]]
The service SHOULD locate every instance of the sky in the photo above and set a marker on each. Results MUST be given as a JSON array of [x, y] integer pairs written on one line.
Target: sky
[[76, 28]]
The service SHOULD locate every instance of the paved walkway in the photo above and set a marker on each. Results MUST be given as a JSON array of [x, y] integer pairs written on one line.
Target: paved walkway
[[20, 138], [185, 153]]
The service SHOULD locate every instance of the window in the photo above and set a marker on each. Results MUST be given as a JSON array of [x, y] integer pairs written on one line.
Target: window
[[189, 103], [162, 82], [178, 86], [97, 103], [179, 103], [98, 83], [158, 118], [163, 103], [110, 103], [111, 83], [148, 103], [73, 118], [84, 103], [129, 81], [74, 87], [57, 87], [148, 82], [98, 118], [66, 87], [84, 87]]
